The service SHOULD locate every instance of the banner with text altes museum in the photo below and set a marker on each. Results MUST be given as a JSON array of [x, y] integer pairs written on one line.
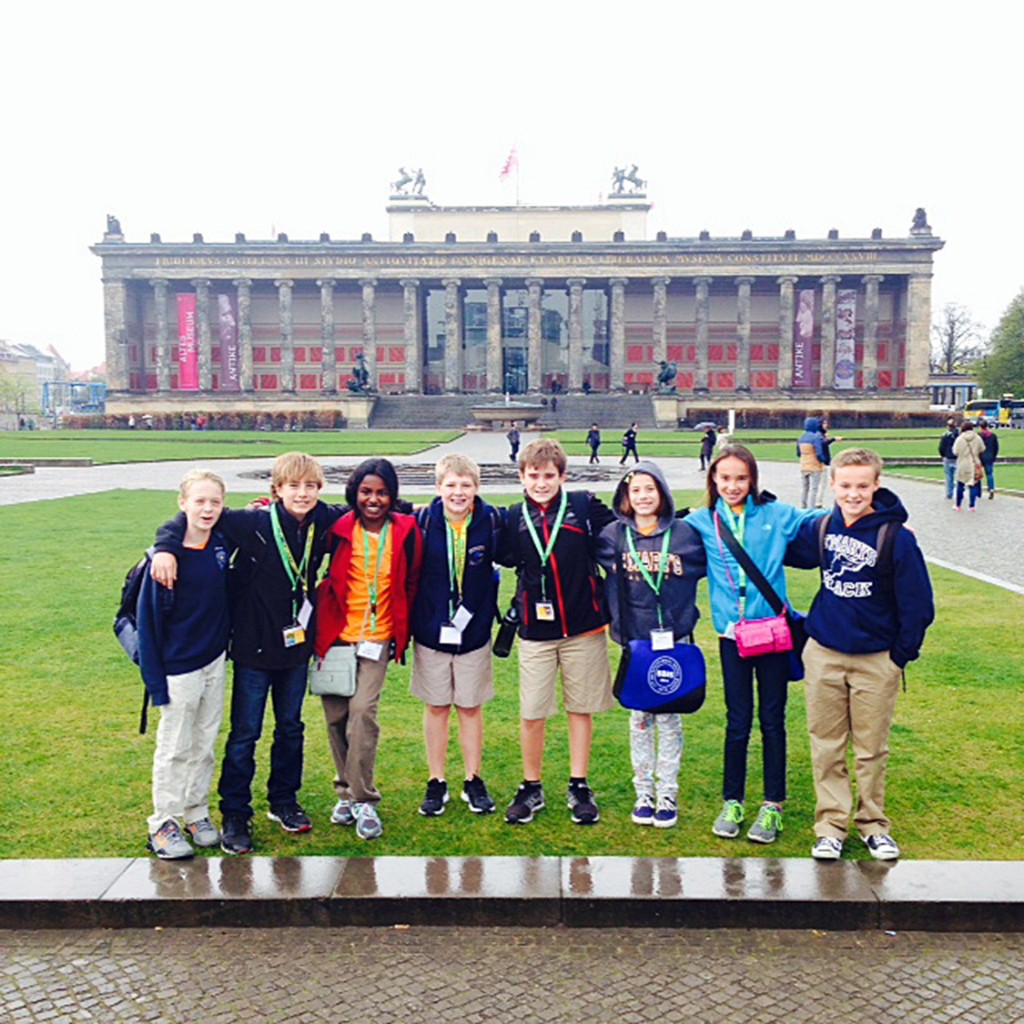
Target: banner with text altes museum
[[188, 350]]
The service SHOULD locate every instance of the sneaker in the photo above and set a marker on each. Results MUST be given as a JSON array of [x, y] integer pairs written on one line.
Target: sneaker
[[436, 798], [727, 824], [827, 848], [528, 800], [342, 813], [203, 832], [168, 843], [882, 847], [291, 817], [767, 826], [666, 814], [582, 804], [643, 810], [368, 823], [474, 792], [235, 837]]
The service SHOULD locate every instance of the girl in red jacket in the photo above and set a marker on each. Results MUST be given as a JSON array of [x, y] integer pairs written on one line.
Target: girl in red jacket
[[364, 603]]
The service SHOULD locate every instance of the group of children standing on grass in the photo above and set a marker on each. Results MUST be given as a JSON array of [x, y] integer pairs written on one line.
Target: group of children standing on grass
[[429, 577]]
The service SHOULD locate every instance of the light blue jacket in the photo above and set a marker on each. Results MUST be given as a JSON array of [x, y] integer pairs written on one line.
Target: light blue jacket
[[768, 530]]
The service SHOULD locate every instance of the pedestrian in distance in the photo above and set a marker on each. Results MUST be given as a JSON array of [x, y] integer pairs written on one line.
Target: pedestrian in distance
[[968, 449], [865, 625], [946, 443], [594, 442], [513, 443], [989, 455], [810, 449], [707, 447], [629, 445]]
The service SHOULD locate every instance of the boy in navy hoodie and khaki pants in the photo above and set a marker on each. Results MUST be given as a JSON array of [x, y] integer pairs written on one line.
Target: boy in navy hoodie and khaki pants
[[867, 622]]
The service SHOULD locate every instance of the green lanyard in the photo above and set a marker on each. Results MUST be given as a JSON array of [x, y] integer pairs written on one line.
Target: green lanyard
[[545, 552], [654, 584], [296, 572], [372, 584], [738, 524], [456, 543]]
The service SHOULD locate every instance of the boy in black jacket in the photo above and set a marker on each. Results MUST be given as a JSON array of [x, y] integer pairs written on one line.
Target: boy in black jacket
[[867, 622], [562, 620]]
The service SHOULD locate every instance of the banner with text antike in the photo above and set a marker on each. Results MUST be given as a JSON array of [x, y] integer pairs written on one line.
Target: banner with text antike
[[227, 329], [846, 330], [803, 338], [188, 349]]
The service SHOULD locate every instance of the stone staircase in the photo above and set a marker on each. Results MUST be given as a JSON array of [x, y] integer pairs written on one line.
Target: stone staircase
[[574, 412]]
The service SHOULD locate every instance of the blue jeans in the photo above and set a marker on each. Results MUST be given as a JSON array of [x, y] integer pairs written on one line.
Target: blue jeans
[[250, 688], [949, 468], [973, 492], [772, 672], [990, 475]]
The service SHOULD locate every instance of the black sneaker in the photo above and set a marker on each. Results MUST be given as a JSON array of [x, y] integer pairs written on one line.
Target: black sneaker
[[291, 817], [235, 837], [582, 804], [474, 792], [436, 798], [529, 798]]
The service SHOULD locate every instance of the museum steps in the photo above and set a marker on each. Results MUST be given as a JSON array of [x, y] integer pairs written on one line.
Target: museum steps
[[455, 412]]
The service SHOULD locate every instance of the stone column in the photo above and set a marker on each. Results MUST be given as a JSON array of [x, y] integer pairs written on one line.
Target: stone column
[[919, 314], [163, 349], [329, 357], [495, 376], [576, 332], [369, 286], [659, 330], [617, 351], [284, 306], [413, 336], [535, 286], [452, 335], [869, 365], [115, 329], [743, 333], [787, 311], [243, 288], [701, 316], [202, 288], [828, 330]]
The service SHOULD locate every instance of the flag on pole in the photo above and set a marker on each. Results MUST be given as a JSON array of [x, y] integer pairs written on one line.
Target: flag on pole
[[511, 164]]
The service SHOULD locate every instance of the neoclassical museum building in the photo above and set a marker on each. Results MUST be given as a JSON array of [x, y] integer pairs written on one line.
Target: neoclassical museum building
[[519, 300]]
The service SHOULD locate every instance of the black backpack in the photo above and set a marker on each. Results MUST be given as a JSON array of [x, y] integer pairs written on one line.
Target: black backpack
[[126, 625]]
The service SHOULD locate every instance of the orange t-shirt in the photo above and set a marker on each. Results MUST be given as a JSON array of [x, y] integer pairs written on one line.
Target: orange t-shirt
[[360, 624]]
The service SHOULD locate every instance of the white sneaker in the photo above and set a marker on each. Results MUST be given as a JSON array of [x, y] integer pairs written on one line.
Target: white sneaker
[[827, 848], [168, 843], [368, 823], [342, 813], [882, 846]]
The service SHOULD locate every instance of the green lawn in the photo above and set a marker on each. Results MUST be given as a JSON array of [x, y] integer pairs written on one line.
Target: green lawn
[[109, 446], [77, 774]]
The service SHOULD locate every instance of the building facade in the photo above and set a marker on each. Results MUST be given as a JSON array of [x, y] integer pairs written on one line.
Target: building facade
[[520, 300]]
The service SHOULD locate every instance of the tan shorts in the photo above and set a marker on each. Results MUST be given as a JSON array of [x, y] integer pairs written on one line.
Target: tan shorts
[[440, 679], [586, 675]]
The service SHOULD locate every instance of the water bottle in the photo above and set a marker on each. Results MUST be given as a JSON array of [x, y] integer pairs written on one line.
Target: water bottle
[[506, 634]]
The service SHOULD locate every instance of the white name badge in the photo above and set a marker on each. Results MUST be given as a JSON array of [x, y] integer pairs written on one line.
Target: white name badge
[[545, 611], [305, 612], [451, 635], [370, 649], [460, 620], [662, 640]]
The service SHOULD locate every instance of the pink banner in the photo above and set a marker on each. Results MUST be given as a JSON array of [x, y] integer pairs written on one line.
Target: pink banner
[[188, 348], [803, 337], [846, 335], [227, 329]]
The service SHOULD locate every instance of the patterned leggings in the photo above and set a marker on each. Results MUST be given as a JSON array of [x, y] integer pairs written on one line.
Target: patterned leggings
[[655, 776]]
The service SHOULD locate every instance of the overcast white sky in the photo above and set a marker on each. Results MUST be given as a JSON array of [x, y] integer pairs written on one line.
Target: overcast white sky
[[223, 117]]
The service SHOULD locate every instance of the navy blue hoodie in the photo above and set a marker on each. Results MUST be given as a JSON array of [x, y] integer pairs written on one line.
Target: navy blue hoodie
[[863, 607]]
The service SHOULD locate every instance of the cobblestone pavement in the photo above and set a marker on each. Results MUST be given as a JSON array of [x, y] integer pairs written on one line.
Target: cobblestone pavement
[[387, 976]]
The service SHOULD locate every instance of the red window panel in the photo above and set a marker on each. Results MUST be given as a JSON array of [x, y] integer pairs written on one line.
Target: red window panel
[[691, 353], [757, 353], [885, 379], [715, 353], [645, 378], [773, 353], [300, 355], [275, 355], [629, 378], [268, 382], [134, 381], [684, 380], [764, 379], [389, 378], [215, 354], [216, 382], [901, 379], [675, 352], [883, 352], [133, 353], [152, 354], [151, 382], [174, 353], [396, 353], [634, 353], [309, 382], [732, 353], [723, 381], [382, 356], [316, 354], [174, 382], [259, 354]]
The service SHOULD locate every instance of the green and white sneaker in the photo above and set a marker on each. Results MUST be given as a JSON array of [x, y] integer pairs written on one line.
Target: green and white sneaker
[[168, 843], [727, 824], [768, 824]]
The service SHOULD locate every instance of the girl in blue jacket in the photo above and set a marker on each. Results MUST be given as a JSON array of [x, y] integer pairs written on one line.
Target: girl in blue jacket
[[763, 527]]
